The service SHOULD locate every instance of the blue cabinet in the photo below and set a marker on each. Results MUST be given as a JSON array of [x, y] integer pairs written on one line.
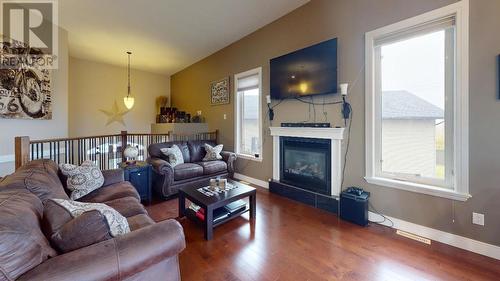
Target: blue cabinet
[[139, 175]]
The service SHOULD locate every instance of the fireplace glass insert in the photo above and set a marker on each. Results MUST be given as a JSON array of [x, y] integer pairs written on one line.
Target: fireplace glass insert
[[306, 163]]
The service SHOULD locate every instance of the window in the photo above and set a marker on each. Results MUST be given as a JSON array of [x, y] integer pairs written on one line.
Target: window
[[417, 99], [248, 114]]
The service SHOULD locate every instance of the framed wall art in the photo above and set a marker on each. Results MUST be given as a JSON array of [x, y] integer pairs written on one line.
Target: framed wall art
[[25, 90], [220, 91]]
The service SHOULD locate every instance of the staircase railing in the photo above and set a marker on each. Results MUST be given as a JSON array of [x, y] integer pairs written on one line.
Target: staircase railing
[[104, 150]]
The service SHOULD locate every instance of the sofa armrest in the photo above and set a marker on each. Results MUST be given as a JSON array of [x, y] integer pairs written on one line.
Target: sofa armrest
[[115, 259], [229, 158], [112, 176], [161, 166]]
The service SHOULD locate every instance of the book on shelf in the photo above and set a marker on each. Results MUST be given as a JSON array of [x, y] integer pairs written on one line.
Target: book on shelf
[[236, 206], [219, 213]]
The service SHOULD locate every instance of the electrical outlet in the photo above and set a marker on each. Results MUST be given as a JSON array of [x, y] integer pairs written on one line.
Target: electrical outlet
[[225, 116], [478, 219], [198, 112]]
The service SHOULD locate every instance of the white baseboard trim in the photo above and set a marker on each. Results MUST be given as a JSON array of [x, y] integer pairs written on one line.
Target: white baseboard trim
[[255, 181], [461, 242]]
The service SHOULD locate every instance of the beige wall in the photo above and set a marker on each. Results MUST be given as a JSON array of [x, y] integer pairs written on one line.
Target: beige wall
[[95, 86], [40, 129], [349, 20]]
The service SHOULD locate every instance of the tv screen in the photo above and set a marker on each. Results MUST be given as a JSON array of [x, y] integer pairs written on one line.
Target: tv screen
[[309, 71]]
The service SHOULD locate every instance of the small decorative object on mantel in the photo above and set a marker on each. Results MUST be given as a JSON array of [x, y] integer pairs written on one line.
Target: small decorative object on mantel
[[162, 106], [219, 91], [131, 153], [197, 119]]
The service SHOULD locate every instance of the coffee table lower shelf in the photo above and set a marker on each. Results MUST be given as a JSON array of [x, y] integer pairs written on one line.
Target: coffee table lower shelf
[[192, 215], [211, 203]]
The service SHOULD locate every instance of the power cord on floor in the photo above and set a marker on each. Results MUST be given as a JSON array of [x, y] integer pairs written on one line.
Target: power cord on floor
[[380, 214]]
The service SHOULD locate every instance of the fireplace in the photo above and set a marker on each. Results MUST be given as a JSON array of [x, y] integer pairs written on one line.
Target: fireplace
[[307, 160], [306, 163]]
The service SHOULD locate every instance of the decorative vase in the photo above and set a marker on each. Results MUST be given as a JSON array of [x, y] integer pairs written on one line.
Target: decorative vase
[[131, 154]]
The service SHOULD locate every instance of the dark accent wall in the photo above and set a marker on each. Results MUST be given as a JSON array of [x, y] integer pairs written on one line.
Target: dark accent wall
[[349, 20]]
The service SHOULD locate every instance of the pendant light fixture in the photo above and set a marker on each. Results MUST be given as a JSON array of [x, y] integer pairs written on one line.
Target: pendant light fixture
[[129, 100]]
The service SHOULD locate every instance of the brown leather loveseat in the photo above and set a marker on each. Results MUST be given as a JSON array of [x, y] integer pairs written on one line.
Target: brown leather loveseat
[[149, 252], [194, 172]]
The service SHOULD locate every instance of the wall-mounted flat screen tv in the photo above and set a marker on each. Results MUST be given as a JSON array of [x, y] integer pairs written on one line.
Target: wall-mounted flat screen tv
[[309, 71]]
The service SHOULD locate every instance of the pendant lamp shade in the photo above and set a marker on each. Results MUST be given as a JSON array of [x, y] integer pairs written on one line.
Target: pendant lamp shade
[[129, 99], [129, 102]]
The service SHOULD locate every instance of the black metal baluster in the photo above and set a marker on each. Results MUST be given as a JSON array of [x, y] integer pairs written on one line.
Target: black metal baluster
[[84, 151], [72, 148], [58, 153]]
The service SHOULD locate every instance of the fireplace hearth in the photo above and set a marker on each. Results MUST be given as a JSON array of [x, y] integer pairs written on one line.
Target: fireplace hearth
[[306, 163]]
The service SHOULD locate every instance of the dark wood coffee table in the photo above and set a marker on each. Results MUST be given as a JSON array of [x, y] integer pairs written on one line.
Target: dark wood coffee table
[[210, 203]]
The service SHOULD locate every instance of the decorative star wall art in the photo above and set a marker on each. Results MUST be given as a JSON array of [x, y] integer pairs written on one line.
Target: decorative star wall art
[[115, 114]]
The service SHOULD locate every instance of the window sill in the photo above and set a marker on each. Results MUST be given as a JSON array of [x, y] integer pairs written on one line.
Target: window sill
[[419, 188], [249, 157]]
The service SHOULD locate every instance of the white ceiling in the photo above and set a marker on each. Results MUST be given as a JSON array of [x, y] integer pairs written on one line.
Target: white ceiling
[[165, 36]]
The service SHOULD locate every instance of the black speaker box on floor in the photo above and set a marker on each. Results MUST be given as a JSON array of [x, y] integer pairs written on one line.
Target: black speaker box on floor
[[354, 207]]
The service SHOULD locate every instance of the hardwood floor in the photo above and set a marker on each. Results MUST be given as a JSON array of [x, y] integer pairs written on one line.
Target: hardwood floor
[[292, 241]]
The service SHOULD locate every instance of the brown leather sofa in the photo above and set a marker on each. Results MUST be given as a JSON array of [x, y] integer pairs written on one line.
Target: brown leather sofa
[[194, 172], [149, 252]]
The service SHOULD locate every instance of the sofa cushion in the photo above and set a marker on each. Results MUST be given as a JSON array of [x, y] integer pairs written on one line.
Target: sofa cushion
[[40, 178], [67, 233], [197, 149], [117, 223], [127, 206], [139, 221], [23, 245], [82, 179], [213, 152], [173, 154], [213, 167], [187, 170], [154, 150], [111, 192]]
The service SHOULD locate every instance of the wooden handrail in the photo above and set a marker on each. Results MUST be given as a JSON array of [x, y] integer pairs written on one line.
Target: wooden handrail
[[72, 138]]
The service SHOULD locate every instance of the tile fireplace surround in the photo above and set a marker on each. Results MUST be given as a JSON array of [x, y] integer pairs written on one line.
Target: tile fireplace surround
[[336, 135]]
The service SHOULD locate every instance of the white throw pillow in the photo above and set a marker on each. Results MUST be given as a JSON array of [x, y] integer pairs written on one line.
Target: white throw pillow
[[213, 152], [82, 179], [174, 155], [117, 223]]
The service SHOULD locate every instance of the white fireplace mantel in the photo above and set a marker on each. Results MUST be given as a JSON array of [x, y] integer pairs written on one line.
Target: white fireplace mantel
[[336, 135]]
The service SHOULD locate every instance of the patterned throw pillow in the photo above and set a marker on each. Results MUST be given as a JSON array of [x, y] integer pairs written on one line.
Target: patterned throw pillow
[[117, 223], [213, 152], [174, 155], [82, 179]]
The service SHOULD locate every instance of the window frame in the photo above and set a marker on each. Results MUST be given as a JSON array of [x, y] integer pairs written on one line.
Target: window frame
[[460, 181], [237, 123]]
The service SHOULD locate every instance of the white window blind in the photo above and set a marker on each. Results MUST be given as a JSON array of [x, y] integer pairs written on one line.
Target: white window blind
[[248, 114], [248, 83], [415, 31]]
